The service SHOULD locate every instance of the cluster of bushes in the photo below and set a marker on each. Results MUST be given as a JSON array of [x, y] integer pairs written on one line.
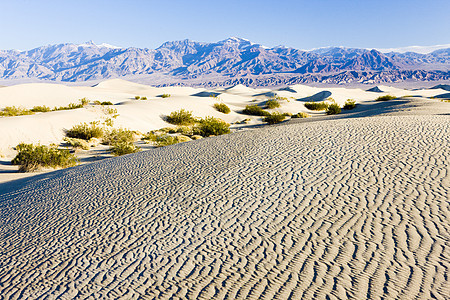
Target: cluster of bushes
[[255, 110], [120, 140], [333, 109], [96, 102], [274, 118], [385, 98], [316, 105], [180, 117], [33, 157], [189, 128], [140, 98], [272, 103], [349, 104], [222, 107], [300, 115], [11, 111]]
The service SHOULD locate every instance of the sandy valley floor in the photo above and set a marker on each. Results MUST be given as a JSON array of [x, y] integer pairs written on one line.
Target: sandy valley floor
[[354, 206]]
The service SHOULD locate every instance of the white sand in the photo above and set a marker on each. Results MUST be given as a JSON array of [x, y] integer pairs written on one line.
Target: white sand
[[349, 208]]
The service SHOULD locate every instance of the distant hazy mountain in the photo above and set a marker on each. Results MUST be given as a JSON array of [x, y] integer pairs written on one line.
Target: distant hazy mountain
[[230, 61]]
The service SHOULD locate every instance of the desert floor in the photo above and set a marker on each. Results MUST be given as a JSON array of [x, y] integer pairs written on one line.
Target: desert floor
[[329, 207]]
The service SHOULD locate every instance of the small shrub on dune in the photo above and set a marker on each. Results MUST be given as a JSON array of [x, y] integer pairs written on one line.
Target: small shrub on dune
[[137, 97], [222, 107], [85, 131], [12, 111], [42, 108], [77, 143], [300, 115], [122, 148], [165, 96], [211, 126], [106, 103], [385, 98], [83, 103], [144, 98], [349, 104], [180, 117], [120, 135], [274, 118], [32, 157], [316, 105], [272, 103], [333, 109], [255, 110]]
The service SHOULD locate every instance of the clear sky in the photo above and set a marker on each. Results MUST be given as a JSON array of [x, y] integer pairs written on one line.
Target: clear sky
[[26, 24]]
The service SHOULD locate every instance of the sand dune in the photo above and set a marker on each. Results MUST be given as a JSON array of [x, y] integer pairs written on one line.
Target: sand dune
[[346, 208]]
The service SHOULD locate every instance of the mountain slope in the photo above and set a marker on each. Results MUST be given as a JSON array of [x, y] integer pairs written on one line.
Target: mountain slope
[[230, 59]]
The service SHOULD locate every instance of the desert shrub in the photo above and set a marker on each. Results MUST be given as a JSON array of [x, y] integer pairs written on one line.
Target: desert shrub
[[164, 140], [122, 148], [120, 135], [385, 98], [77, 143], [11, 111], [106, 103], [83, 103], [222, 107], [333, 109], [32, 157], [144, 98], [165, 95], [42, 108], [349, 104], [85, 131], [180, 117], [300, 115], [316, 105], [255, 110], [137, 97], [274, 118], [211, 126], [272, 103]]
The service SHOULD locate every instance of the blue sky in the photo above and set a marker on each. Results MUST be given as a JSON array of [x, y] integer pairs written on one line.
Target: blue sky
[[300, 24]]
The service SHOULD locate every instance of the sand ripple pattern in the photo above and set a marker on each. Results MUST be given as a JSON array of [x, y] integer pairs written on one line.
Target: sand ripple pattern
[[351, 208]]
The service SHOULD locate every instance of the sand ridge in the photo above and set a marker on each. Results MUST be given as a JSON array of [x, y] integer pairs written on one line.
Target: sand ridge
[[349, 208]]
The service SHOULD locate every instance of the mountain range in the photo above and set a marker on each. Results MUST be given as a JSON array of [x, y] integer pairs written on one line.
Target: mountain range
[[227, 62]]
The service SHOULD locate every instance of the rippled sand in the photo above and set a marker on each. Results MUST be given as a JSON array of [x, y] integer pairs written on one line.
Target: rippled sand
[[348, 208]]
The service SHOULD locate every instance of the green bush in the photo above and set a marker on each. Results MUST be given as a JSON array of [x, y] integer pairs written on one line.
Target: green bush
[[85, 131], [211, 126], [165, 95], [77, 143], [349, 104], [333, 109], [120, 135], [137, 97], [106, 103], [274, 118], [385, 98], [272, 103], [255, 110], [42, 108], [300, 115], [11, 111], [83, 103], [122, 148], [144, 98], [316, 105], [180, 117], [31, 157], [222, 107]]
